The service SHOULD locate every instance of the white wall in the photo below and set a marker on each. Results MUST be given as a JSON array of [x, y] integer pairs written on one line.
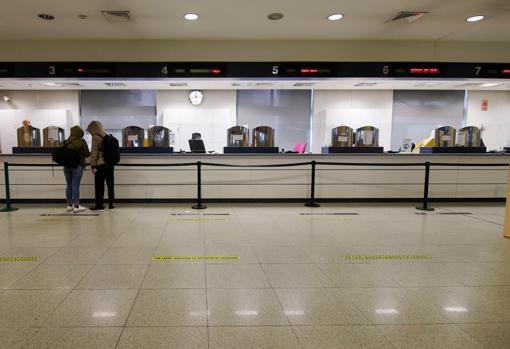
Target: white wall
[[42, 108], [212, 118], [354, 109], [496, 120]]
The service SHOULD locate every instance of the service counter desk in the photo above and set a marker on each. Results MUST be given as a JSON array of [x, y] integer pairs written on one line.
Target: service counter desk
[[341, 183]]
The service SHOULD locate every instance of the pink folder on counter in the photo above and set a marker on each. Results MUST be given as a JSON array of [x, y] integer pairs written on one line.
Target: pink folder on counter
[[300, 148]]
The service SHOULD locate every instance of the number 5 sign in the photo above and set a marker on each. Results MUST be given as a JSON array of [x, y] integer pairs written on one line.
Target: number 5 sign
[[485, 105]]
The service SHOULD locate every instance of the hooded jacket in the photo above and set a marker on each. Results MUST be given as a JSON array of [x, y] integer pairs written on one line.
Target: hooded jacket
[[78, 144], [97, 131]]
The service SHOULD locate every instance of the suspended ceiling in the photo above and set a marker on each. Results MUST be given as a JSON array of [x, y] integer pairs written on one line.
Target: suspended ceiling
[[238, 19]]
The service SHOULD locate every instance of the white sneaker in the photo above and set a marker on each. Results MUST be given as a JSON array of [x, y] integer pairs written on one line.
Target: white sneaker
[[69, 208], [78, 209]]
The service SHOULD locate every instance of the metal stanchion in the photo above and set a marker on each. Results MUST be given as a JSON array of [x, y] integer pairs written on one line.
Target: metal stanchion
[[425, 204], [199, 205], [311, 202], [8, 207], [506, 227]]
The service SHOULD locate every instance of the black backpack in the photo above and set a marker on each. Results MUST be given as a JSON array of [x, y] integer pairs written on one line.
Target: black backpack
[[66, 157], [111, 151]]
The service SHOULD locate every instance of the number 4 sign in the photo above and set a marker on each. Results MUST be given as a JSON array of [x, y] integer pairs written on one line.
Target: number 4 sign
[[485, 105]]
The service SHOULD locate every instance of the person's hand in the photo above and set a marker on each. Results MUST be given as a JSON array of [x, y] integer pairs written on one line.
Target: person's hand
[[93, 170]]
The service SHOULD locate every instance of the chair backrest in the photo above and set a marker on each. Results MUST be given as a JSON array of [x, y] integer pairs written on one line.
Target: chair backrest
[[300, 148]]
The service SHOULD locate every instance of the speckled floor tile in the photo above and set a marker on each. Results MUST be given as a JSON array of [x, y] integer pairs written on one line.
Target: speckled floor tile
[[174, 307], [163, 338], [93, 308], [259, 337], [75, 337], [23, 308], [244, 307], [113, 277], [339, 337]]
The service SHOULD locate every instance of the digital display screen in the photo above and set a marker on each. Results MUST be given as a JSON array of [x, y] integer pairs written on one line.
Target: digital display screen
[[425, 71]]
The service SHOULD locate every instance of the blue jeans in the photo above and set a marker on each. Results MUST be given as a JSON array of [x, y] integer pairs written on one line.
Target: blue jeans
[[73, 179]]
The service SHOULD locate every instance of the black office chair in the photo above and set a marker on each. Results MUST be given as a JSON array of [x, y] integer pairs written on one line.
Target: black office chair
[[196, 136], [197, 146]]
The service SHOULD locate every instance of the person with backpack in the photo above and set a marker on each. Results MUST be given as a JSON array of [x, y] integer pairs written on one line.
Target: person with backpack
[[74, 166], [105, 154]]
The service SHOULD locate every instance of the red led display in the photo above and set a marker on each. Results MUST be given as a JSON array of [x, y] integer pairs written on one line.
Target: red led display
[[216, 71], [424, 71], [506, 71], [81, 70], [309, 70]]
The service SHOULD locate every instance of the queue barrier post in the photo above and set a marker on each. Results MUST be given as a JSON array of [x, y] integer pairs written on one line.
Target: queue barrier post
[[8, 207], [199, 205], [311, 202], [425, 204]]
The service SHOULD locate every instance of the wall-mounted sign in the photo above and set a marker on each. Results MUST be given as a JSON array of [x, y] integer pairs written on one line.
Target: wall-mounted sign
[[485, 105]]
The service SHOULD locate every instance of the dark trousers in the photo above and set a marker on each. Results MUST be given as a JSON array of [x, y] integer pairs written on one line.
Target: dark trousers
[[104, 173]]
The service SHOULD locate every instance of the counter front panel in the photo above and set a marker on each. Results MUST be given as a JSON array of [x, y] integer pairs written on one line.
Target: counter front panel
[[332, 182]]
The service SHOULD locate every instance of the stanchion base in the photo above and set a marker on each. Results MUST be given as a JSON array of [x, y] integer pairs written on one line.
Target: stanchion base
[[312, 204], [9, 209], [199, 207], [425, 208]]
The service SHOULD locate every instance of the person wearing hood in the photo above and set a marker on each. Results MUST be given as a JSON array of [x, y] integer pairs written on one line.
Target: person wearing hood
[[103, 172], [73, 175]]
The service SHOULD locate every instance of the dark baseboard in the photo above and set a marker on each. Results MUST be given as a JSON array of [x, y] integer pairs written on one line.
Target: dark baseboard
[[267, 200]]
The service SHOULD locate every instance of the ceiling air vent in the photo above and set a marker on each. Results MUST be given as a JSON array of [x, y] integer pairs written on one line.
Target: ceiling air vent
[[118, 16], [407, 16], [178, 84], [115, 84]]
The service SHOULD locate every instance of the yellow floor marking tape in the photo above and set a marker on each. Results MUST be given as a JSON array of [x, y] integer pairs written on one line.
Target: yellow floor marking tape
[[387, 257], [19, 259], [194, 258]]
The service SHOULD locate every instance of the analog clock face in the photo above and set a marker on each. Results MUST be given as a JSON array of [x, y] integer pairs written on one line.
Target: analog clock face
[[196, 97]]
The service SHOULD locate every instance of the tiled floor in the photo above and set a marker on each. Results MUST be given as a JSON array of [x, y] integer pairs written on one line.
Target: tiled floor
[[96, 285]]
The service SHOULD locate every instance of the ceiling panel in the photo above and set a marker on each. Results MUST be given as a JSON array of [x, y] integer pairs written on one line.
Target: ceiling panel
[[234, 19]]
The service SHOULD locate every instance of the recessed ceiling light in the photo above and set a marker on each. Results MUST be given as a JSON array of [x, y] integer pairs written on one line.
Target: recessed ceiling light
[[191, 16], [276, 16], [335, 17], [475, 18], [46, 16]]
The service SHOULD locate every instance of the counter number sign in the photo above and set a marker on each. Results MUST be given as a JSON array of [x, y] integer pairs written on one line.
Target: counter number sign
[[485, 105]]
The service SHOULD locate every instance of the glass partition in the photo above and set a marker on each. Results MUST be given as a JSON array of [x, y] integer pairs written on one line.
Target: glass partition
[[286, 111]]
